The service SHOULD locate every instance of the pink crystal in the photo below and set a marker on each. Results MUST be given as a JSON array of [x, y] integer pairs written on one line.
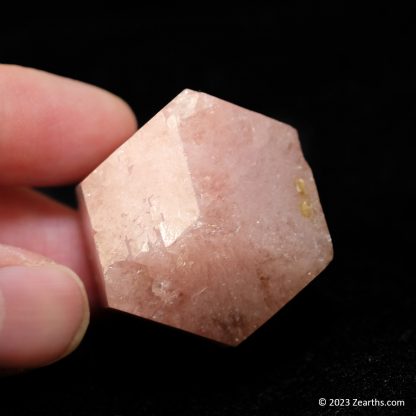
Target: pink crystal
[[207, 219]]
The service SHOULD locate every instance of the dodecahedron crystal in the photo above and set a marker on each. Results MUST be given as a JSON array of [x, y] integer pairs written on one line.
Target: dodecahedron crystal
[[207, 219]]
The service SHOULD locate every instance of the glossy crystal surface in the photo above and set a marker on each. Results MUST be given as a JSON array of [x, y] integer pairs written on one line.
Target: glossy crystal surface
[[207, 219]]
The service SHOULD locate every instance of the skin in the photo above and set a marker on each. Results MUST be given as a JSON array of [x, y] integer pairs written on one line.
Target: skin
[[53, 131]]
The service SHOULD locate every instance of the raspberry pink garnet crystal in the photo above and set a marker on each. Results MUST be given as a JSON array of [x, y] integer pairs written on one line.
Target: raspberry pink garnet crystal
[[207, 219]]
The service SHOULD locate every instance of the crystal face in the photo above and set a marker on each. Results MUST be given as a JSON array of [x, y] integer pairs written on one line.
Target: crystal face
[[207, 219]]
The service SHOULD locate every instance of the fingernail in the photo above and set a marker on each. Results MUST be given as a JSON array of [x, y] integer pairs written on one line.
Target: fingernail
[[43, 314]]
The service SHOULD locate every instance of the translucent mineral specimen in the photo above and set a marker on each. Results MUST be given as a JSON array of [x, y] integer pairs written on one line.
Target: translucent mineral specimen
[[207, 219]]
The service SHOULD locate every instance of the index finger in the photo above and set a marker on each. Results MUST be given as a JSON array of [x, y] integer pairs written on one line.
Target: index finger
[[55, 130]]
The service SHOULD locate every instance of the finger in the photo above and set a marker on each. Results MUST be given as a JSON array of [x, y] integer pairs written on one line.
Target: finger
[[54, 129], [34, 222], [43, 310]]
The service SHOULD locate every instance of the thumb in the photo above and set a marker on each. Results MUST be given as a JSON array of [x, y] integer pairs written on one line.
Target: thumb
[[43, 309]]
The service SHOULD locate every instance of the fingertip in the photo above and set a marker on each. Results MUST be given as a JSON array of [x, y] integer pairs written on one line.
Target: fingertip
[[82, 323], [56, 129], [43, 314]]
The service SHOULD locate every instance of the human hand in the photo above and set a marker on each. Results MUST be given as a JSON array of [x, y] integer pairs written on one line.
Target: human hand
[[53, 130]]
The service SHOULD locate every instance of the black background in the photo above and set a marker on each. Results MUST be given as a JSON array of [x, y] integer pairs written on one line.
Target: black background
[[346, 80]]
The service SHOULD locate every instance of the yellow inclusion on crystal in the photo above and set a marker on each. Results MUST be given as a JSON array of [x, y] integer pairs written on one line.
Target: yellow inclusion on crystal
[[300, 186], [306, 209], [305, 205]]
